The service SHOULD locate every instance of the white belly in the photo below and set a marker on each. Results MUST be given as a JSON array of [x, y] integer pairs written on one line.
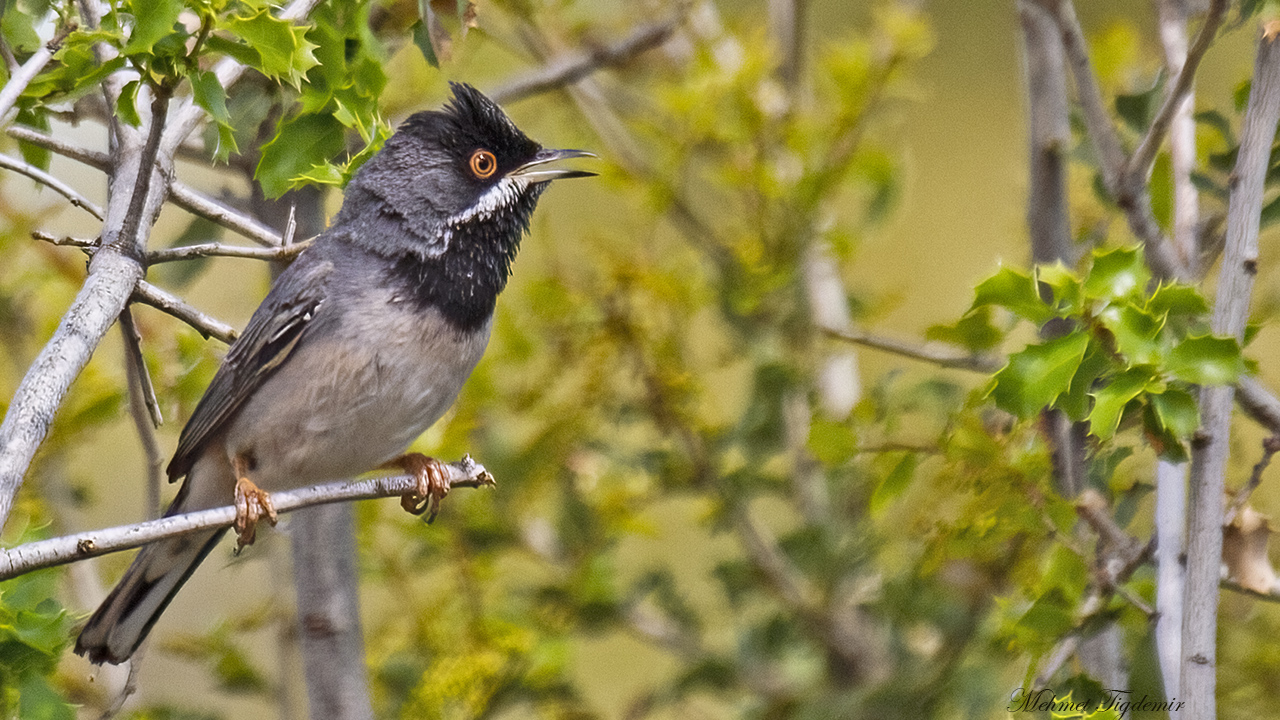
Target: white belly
[[342, 406]]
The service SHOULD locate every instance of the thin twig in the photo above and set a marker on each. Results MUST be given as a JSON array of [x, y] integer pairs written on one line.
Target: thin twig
[[128, 240], [19, 80], [942, 356], [143, 408], [51, 182], [1139, 165], [206, 325], [1226, 583], [92, 158], [197, 203], [1270, 447], [1134, 200], [216, 249], [68, 548], [89, 246], [138, 366], [1259, 403], [180, 194], [571, 69]]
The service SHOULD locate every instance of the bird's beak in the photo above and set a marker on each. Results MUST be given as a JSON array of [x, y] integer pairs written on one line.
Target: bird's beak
[[536, 171]]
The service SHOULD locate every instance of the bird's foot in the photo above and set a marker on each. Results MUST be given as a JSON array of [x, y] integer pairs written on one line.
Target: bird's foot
[[433, 483], [252, 503]]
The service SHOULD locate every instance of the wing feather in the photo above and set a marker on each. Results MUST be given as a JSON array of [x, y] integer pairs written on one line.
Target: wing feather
[[275, 329]]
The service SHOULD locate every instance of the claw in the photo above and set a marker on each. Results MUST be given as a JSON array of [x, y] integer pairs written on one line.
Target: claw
[[252, 504], [433, 483]]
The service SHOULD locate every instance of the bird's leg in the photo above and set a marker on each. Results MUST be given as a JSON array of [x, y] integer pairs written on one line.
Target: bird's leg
[[251, 502], [433, 483]]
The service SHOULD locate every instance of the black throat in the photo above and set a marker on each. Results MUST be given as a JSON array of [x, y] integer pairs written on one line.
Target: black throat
[[464, 281]]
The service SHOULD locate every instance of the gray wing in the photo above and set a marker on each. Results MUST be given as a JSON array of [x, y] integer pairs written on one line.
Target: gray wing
[[273, 332]]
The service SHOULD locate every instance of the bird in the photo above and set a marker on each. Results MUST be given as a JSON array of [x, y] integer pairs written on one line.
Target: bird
[[361, 344]]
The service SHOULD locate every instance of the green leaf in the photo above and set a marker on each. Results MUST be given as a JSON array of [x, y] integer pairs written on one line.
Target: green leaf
[[1270, 213], [1206, 360], [127, 104], [1078, 399], [1219, 122], [894, 483], [1110, 399], [973, 331], [152, 20], [208, 93], [1049, 616], [285, 52], [1160, 190], [1137, 110], [1176, 299], [1177, 412], [1117, 274], [1136, 332], [322, 174], [300, 144], [422, 38], [238, 51], [1035, 377], [1065, 285], [832, 443], [34, 154], [19, 29], [1015, 291]]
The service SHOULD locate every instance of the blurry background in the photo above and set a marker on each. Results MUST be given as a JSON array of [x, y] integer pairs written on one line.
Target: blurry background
[[653, 401]]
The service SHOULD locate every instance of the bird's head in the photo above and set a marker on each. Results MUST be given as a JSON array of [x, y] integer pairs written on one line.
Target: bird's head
[[464, 173]]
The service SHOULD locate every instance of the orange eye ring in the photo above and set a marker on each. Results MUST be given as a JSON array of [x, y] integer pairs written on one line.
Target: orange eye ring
[[483, 164]]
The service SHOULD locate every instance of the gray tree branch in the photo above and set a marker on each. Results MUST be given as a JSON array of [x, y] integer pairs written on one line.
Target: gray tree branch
[[207, 325], [70, 548], [1211, 450], [138, 167]]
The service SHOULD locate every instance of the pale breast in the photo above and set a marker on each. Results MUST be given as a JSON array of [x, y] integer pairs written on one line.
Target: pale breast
[[355, 398]]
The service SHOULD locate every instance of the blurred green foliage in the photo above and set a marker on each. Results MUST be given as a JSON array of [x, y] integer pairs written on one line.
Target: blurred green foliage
[[656, 364]]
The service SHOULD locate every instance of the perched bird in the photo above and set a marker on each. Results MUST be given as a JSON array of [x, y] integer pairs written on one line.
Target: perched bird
[[362, 343]]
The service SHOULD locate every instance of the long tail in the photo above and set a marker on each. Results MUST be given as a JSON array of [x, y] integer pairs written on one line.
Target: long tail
[[123, 620]]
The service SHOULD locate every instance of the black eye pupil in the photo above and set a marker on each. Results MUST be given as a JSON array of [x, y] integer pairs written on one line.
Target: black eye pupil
[[483, 163]]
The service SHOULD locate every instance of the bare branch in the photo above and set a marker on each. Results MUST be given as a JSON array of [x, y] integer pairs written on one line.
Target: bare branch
[[1228, 584], [53, 183], [1132, 198], [19, 80], [1171, 478], [127, 238], [215, 249], [1259, 403], [144, 408], [92, 158], [942, 356], [206, 325], [1101, 130], [568, 70], [1210, 451], [69, 548], [1049, 135], [197, 203], [138, 366], [1139, 166], [1270, 447], [85, 244]]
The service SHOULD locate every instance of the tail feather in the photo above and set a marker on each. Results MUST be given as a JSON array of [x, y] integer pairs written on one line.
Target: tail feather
[[123, 620]]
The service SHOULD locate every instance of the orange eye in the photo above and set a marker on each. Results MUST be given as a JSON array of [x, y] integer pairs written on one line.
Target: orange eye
[[483, 164]]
